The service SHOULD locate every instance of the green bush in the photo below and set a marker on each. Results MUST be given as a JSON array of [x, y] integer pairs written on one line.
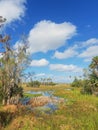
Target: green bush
[[76, 83], [86, 88]]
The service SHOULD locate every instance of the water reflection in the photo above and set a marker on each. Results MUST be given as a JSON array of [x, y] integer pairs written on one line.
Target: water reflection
[[48, 107]]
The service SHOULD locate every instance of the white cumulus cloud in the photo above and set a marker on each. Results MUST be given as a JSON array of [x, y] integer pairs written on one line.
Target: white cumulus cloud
[[39, 63], [87, 43], [90, 41], [48, 35], [70, 52], [65, 68], [89, 53], [12, 9]]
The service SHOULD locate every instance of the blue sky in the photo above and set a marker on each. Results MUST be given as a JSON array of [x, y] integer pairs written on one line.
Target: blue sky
[[62, 34]]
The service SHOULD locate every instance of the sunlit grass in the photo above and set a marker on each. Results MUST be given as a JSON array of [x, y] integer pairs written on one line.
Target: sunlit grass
[[29, 95], [78, 112]]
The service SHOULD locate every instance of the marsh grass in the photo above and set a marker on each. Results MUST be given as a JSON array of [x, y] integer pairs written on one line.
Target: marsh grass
[[29, 95], [78, 112]]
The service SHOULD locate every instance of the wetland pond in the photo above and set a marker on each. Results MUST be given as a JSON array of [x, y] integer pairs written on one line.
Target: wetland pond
[[43, 101]]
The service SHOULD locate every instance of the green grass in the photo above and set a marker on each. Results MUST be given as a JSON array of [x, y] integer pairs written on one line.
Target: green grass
[[79, 112], [29, 95]]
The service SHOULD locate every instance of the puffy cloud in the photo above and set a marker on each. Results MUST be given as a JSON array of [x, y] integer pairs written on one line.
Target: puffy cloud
[[48, 35], [89, 53], [89, 42], [65, 68], [39, 63], [12, 9], [71, 52]]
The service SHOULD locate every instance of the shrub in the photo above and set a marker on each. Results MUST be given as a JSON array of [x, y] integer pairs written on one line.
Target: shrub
[[76, 83]]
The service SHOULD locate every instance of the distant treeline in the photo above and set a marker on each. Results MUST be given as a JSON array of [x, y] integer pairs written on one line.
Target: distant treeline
[[37, 83]]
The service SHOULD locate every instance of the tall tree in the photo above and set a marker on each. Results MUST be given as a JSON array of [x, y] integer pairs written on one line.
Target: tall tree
[[91, 77], [12, 65], [94, 74], [94, 65]]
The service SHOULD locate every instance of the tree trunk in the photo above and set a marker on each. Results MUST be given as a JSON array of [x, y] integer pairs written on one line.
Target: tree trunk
[[3, 101], [8, 100]]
